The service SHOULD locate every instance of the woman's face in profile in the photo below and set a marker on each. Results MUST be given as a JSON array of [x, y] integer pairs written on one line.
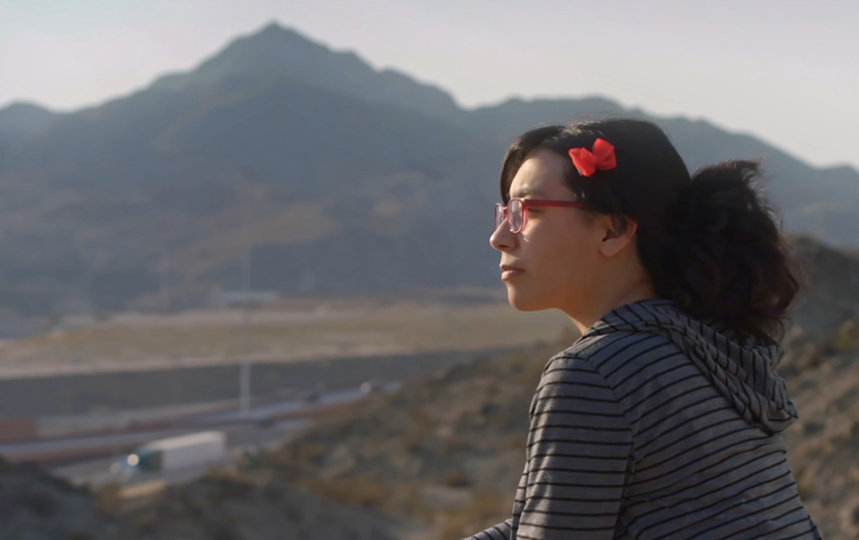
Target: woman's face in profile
[[552, 262]]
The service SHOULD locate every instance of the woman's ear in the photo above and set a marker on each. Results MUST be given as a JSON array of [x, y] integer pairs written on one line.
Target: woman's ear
[[619, 233]]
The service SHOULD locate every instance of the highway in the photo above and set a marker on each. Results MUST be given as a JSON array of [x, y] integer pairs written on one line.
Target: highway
[[86, 458], [240, 437]]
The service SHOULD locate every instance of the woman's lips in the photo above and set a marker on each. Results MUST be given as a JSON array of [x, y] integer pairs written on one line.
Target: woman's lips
[[509, 272]]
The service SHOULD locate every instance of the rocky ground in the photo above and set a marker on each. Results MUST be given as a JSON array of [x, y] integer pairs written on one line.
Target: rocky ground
[[221, 506], [36, 506], [822, 368]]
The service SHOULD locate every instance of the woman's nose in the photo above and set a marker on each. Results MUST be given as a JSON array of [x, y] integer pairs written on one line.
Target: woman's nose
[[502, 239]]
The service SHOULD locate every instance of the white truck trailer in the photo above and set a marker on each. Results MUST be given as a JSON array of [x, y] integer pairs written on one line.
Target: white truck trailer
[[174, 453]]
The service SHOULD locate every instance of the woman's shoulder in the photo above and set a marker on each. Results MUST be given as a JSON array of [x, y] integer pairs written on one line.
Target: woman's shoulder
[[597, 348], [608, 354]]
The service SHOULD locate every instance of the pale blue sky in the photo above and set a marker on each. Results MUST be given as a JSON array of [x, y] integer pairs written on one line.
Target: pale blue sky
[[787, 71]]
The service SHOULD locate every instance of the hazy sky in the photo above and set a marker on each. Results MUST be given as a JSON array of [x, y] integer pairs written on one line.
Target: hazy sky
[[785, 70]]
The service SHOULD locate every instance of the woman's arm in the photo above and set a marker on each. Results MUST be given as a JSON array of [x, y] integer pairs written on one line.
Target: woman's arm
[[579, 446], [502, 531]]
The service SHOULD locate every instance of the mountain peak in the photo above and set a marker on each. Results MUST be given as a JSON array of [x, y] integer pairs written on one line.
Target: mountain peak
[[22, 119], [278, 53], [274, 28], [274, 38], [24, 107]]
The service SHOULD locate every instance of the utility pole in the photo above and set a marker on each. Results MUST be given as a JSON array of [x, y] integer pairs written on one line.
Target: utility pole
[[164, 279], [245, 362], [245, 368]]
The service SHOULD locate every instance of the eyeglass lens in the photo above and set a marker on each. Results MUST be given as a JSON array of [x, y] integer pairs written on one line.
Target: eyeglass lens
[[513, 212]]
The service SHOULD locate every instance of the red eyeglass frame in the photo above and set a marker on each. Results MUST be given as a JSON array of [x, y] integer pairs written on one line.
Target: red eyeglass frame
[[528, 203]]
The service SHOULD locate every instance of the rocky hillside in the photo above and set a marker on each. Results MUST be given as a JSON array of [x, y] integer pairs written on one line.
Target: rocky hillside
[[222, 506], [822, 368], [36, 506]]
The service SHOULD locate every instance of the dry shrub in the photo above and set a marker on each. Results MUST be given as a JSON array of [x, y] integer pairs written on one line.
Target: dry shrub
[[108, 498], [456, 478], [359, 492]]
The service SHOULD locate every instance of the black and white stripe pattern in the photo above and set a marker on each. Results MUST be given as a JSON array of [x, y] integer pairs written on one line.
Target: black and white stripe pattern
[[654, 425]]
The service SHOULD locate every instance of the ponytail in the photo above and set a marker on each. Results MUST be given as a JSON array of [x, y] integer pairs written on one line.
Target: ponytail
[[725, 260]]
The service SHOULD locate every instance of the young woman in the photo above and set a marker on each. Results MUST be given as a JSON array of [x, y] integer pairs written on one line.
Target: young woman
[[664, 419]]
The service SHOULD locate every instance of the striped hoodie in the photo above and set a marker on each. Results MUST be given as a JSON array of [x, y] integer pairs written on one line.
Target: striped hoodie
[[654, 425]]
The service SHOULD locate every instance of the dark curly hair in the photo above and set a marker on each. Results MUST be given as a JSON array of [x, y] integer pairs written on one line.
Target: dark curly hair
[[709, 241]]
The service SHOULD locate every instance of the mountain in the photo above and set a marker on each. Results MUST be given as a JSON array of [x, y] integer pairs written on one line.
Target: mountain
[[333, 176], [333, 189]]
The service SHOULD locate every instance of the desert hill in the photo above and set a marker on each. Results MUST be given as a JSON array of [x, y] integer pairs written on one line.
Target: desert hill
[[36, 506]]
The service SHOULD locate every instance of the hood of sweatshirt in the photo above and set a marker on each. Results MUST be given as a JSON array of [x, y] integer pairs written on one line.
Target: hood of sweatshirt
[[741, 367]]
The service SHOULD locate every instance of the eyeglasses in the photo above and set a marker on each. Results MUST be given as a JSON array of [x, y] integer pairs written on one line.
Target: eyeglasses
[[516, 211]]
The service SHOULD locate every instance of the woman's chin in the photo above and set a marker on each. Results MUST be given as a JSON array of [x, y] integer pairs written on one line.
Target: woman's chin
[[524, 302]]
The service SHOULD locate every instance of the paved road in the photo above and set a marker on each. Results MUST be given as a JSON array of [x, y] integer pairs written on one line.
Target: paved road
[[45, 450], [240, 437], [264, 425]]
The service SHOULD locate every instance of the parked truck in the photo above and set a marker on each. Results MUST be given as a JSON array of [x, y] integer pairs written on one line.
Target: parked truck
[[174, 453]]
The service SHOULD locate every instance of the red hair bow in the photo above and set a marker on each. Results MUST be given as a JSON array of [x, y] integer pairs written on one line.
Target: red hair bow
[[601, 157]]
